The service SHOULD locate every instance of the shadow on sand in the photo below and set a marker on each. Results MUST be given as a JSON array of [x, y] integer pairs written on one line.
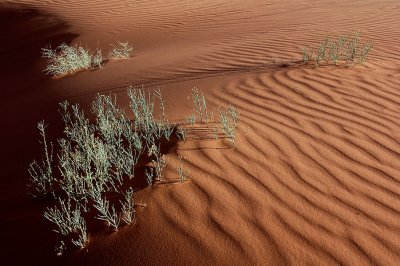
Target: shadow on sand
[[25, 236]]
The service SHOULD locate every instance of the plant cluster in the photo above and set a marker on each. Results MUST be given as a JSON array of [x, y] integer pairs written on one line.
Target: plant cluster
[[67, 59], [229, 118], [346, 48], [121, 50], [227, 123], [91, 174]]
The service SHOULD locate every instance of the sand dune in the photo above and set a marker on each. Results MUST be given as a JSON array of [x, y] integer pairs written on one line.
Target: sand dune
[[315, 177]]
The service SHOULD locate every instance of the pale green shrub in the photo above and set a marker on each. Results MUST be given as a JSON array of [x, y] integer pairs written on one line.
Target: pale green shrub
[[69, 222], [121, 50], [96, 159], [66, 59], [346, 48]]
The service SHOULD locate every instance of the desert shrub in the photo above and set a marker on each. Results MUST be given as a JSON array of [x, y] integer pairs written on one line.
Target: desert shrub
[[346, 48], [91, 176], [67, 59], [151, 129], [121, 50]]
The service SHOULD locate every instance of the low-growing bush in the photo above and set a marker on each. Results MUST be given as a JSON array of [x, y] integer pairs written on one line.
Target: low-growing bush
[[67, 59], [346, 48], [91, 176], [121, 50]]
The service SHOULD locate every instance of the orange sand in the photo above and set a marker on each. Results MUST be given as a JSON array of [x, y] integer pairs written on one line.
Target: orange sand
[[315, 178]]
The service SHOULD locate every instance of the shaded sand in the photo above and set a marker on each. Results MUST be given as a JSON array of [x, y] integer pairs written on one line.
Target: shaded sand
[[315, 178]]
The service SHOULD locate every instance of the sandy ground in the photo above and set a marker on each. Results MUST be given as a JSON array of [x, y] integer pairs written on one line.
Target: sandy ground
[[315, 178]]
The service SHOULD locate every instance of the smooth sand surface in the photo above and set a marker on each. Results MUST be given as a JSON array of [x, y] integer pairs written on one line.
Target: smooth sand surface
[[315, 177]]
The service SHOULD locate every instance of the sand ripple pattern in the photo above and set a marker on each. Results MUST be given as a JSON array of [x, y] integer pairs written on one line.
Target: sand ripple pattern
[[316, 175]]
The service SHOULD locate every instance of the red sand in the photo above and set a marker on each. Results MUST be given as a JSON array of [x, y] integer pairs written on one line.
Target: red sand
[[315, 178]]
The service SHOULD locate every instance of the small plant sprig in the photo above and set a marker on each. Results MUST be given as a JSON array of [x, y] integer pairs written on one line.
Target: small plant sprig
[[69, 222], [200, 104], [183, 175], [98, 58], [181, 133], [106, 213], [60, 249], [229, 119], [159, 163], [191, 119], [128, 204], [158, 94], [42, 179], [215, 132], [121, 50], [149, 174]]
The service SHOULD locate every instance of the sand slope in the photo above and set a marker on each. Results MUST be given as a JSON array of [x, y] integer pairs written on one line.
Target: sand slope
[[315, 178]]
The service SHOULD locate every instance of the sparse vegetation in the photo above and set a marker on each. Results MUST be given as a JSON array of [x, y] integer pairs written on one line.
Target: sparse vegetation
[[181, 133], [95, 162], [69, 222], [107, 212], [183, 175], [229, 119], [121, 50], [215, 132], [98, 59], [191, 119], [42, 179], [128, 204], [200, 105], [149, 174], [347, 49], [67, 59]]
